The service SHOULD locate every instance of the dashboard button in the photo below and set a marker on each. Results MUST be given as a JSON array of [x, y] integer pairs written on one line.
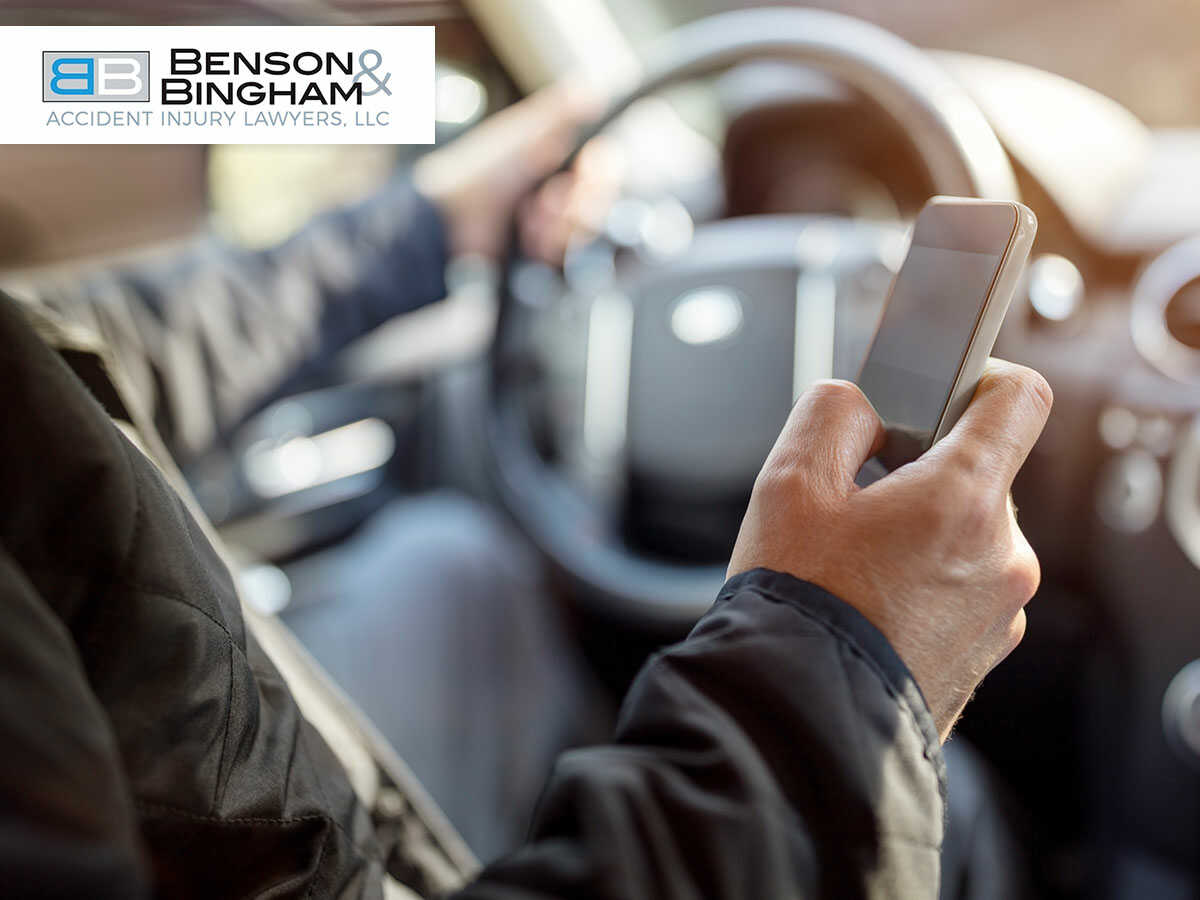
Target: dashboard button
[[1131, 490], [1181, 712]]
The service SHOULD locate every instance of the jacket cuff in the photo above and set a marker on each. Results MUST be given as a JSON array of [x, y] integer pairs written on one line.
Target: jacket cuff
[[852, 627]]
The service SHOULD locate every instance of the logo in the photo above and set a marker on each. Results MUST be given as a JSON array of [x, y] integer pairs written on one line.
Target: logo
[[73, 77], [368, 69], [217, 84]]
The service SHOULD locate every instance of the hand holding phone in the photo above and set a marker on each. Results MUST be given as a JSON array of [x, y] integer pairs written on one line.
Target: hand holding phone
[[941, 319]]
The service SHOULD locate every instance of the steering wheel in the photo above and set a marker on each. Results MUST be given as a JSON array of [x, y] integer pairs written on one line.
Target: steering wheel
[[677, 351]]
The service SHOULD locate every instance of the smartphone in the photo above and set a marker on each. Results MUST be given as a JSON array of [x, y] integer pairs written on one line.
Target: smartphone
[[941, 319]]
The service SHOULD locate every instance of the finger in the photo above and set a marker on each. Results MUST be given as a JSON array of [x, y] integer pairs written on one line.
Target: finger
[[600, 171], [571, 206], [541, 217], [831, 432], [1000, 426], [595, 184], [531, 137], [571, 101], [543, 125]]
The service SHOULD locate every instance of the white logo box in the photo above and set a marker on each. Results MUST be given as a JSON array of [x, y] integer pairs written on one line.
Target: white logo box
[[217, 85]]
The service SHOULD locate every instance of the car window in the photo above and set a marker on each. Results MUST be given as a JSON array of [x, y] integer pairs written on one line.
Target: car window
[[1140, 54], [262, 194]]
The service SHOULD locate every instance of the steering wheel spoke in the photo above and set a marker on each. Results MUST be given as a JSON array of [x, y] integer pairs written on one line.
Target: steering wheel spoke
[[675, 349]]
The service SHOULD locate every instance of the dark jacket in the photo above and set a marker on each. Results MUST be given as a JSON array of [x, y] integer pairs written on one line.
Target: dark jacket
[[209, 333], [148, 745]]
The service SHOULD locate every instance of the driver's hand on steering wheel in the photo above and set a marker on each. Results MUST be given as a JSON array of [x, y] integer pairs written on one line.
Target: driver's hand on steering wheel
[[931, 554], [478, 179]]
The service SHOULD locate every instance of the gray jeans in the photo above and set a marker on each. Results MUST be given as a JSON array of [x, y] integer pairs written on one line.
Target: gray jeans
[[435, 620]]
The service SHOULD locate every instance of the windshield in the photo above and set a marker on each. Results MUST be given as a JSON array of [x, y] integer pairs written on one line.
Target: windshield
[[1140, 53]]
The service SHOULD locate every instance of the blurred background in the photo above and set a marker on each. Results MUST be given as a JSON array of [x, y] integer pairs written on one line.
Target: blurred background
[[1137, 53], [764, 210]]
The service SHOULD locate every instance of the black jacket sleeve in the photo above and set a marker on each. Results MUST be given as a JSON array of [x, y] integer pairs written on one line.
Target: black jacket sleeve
[[67, 824], [209, 332], [148, 744], [783, 750]]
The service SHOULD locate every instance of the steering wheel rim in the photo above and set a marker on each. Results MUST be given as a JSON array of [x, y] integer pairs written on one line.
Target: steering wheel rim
[[963, 157], [950, 132]]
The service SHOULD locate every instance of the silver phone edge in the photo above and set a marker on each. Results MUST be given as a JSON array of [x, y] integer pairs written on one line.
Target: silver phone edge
[[988, 328]]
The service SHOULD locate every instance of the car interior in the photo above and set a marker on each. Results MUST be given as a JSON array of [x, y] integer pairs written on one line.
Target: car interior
[[617, 410]]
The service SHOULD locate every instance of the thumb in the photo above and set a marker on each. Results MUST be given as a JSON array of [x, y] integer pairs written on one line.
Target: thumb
[[831, 432]]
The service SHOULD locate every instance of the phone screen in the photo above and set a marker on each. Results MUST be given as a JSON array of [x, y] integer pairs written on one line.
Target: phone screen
[[935, 304]]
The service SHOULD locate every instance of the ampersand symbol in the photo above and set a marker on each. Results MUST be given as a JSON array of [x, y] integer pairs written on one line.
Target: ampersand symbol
[[368, 69]]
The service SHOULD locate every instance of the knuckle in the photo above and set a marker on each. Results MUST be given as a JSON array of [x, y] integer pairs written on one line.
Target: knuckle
[[780, 478], [965, 470], [1015, 632], [964, 474], [1024, 576], [785, 493], [1037, 390], [970, 497], [833, 392], [1020, 387], [773, 478]]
